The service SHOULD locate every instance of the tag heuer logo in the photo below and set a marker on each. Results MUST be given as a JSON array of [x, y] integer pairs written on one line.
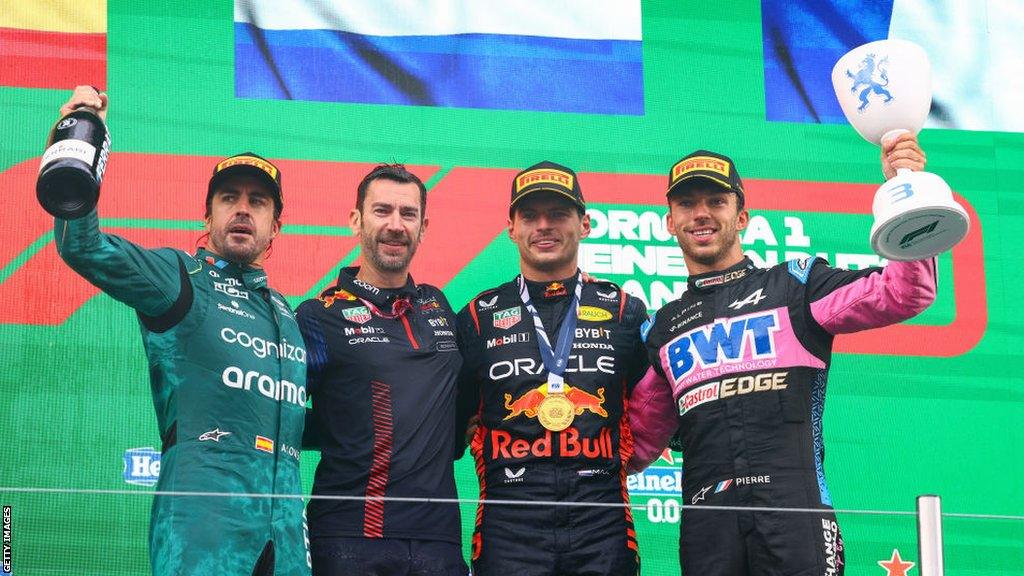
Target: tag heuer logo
[[359, 314], [508, 317]]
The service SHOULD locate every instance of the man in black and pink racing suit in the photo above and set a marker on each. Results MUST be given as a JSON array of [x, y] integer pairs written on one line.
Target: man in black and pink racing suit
[[745, 353]]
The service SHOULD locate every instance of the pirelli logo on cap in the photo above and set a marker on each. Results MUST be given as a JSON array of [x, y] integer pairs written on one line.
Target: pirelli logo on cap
[[249, 161], [544, 176], [708, 163]]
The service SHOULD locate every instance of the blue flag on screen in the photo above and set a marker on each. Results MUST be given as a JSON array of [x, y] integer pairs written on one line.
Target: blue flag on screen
[[974, 49], [553, 55]]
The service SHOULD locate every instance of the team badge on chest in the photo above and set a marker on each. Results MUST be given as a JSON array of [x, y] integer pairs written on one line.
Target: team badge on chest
[[508, 317], [358, 314]]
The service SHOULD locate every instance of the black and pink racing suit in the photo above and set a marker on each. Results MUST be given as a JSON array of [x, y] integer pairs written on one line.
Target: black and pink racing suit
[[739, 368]]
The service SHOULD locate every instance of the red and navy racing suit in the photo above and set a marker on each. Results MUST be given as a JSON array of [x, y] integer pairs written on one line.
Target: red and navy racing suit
[[745, 352], [518, 459], [383, 365]]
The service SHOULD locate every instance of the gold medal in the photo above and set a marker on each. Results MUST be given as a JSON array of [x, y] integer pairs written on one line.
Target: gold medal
[[556, 412]]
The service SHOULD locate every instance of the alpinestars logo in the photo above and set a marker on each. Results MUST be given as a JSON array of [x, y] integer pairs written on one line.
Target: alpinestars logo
[[754, 298], [216, 434]]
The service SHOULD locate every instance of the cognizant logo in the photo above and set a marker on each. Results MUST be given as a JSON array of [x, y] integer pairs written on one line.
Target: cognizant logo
[[235, 377], [263, 348]]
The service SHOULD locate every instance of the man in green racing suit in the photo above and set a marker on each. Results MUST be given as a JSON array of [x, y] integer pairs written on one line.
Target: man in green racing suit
[[227, 372]]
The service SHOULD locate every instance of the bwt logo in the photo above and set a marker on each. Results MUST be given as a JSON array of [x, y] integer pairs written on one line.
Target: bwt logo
[[141, 466], [723, 342]]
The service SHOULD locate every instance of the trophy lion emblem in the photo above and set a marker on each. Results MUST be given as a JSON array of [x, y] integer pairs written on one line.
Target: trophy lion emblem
[[866, 76]]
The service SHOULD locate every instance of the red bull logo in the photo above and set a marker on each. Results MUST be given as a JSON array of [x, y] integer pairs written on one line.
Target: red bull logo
[[583, 401], [339, 294], [569, 445], [528, 403], [555, 289]]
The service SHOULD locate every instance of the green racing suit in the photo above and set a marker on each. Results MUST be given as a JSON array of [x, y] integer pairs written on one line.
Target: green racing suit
[[228, 374]]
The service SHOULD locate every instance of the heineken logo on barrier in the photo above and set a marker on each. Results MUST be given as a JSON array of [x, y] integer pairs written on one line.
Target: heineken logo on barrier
[[142, 466]]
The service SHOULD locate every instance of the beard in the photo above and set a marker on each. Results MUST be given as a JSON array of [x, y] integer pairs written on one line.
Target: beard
[[387, 262], [244, 252], [711, 258]]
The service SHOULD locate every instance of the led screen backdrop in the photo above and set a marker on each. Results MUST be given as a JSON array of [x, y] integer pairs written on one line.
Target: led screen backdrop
[[466, 97]]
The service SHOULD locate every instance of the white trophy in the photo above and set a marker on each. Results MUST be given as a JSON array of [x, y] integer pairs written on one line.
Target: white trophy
[[885, 89]]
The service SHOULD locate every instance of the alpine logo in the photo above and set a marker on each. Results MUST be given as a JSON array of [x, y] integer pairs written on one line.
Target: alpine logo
[[754, 298], [508, 317], [725, 341], [358, 314]]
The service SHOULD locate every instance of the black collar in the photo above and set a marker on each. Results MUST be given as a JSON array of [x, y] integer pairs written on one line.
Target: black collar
[[548, 290], [382, 297]]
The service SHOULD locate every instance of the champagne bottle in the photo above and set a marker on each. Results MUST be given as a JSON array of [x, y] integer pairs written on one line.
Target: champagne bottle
[[72, 167]]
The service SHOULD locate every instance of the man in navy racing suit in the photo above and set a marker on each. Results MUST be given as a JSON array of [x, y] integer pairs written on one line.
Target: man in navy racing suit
[[745, 352]]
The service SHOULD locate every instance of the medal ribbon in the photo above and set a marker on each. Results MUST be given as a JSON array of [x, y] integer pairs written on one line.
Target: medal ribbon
[[555, 360]]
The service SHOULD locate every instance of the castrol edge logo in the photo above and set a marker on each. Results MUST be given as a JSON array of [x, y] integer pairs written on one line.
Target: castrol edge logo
[[732, 386]]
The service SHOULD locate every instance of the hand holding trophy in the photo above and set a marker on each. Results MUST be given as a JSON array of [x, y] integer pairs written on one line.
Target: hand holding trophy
[[884, 88]]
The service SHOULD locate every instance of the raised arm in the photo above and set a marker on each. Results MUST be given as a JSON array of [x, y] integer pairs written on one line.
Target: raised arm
[[150, 281]]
